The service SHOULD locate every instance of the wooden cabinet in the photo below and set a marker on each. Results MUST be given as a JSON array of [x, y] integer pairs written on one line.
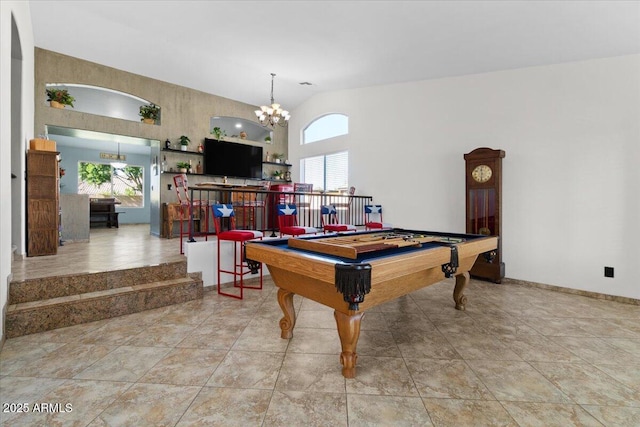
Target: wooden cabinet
[[42, 203]]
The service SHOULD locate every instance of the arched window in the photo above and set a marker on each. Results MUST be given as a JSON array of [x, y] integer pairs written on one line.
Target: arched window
[[326, 127]]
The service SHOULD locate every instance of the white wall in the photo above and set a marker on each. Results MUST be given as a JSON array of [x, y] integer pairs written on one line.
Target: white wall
[[571, 133], [20, 12]]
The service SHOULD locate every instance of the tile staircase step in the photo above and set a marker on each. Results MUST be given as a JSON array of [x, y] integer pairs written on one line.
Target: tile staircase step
[[139, 294], [72, 284]]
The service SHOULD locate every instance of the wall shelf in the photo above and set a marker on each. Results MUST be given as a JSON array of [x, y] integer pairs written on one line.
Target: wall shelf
[[186, 173], [277, 164], [219, 176], [173, 150]]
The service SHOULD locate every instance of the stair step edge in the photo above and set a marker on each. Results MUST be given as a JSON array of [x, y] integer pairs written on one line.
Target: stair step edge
[[24, 290], [33, 305]]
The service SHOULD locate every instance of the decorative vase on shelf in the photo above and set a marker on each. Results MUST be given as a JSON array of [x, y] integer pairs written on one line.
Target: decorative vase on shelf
[[183, 147], [148, 121], [56, 104]]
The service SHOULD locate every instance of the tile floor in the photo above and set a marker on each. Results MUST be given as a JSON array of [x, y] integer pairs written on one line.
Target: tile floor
[[518, 356]]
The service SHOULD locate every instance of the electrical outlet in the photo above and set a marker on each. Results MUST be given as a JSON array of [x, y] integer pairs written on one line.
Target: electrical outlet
[[608, 272]]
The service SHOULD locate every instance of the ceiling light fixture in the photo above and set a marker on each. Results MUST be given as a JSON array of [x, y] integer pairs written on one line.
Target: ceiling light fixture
[[118, 164], [273, 114]]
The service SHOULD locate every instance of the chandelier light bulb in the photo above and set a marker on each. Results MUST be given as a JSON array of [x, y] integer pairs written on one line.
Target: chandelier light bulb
[[272, 115]]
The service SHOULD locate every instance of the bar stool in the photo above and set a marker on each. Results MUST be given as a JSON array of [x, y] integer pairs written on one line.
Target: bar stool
[[303, 202], [331, 223], [239, 238], [288, 222], [186, 205], [252, 203], [373, 218]]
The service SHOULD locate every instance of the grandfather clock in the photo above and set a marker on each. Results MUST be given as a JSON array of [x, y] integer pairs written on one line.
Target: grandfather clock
[[484, 207]]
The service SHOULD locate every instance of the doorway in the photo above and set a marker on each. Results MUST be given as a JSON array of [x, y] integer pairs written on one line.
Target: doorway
[[79, 147]]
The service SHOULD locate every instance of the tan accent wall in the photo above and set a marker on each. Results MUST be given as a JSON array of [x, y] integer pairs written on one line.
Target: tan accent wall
[[184, 111]]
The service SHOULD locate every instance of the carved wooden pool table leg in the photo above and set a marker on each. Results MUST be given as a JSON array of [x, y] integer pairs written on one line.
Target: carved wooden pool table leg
[[285, 299], [349, 331], [458, 295]]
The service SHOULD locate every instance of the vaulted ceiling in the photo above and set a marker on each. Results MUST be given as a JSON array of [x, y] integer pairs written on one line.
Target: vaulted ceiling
[[229, 48]]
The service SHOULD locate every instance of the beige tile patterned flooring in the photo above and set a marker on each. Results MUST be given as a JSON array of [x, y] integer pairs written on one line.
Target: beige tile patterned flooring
[[518, 356], [108, 249]]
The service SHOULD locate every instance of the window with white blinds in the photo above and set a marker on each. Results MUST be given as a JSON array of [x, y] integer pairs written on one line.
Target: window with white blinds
[[329, 172]]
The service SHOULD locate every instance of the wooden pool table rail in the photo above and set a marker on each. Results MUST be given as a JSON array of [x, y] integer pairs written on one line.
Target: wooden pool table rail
[[313, 276], [351, 247]]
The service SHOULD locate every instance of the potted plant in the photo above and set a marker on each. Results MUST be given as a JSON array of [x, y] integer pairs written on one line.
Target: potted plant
[[219, 133], [184, 142], [278, 157], [149, 113], [58, 98], [183, 166], [277, 175], [267, 139]]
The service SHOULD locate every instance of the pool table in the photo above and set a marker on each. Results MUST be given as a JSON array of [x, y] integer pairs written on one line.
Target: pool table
[[352, 272]]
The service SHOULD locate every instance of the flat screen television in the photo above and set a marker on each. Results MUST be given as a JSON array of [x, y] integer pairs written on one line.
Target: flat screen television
[[223, 158]]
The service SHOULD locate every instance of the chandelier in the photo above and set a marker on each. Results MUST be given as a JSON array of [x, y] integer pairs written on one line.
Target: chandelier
[[273, 114]]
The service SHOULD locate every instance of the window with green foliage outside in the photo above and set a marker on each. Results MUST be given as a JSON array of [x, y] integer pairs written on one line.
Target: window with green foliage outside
[[102, 180]]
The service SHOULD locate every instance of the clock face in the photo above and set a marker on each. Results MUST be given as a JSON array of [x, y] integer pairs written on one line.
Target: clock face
[[481, 173]]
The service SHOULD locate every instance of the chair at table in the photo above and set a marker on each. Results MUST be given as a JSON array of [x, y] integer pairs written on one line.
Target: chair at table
[[186, 204], [347, 205], [300, 187], [261, 203], [373, 218], [303, 202], [103, 211], [256, 202], [288, 221], [239, 238], [329, 219], [171, 212]]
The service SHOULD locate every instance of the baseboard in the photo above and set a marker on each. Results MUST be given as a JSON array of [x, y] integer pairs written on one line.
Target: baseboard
[[590, 294]]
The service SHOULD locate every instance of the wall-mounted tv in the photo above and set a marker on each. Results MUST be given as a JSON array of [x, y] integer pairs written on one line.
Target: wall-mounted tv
[[223, 158]]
